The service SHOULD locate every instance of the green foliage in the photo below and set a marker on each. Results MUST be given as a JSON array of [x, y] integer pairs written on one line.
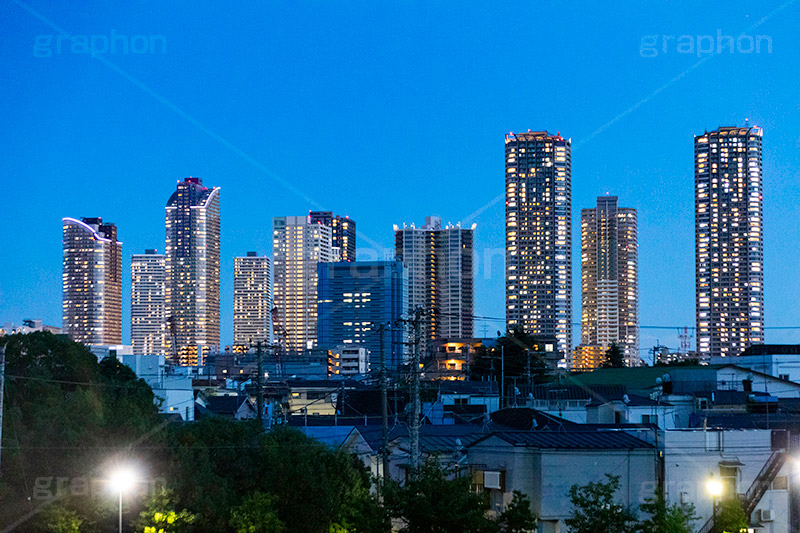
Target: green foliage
[[614, 357], [517, 517], [433, 501], [665, 518], [519, 351], [216, 464], [59, 519], [594, 509], [730, 517], [65, 414], [160, 516], [256, 514]]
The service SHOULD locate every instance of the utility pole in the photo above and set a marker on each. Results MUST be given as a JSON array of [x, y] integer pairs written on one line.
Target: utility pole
[[528, 353], [414, 425], [384, 410], [2, 395], [260, 385], [502, 375]]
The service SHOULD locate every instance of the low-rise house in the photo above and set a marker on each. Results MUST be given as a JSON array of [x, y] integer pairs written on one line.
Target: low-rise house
[[173, 390], [630, 409], [776, 360], [232, 406], [545, 464]]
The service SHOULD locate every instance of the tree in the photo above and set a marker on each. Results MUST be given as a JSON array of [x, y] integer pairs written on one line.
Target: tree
[[517, 517], [730, 517], [160, 515], [256, 515], [595, 511], [614, 357], [215, 464], [65, 414], [522, 355], [433, 500], [666, 518], [59, 519]]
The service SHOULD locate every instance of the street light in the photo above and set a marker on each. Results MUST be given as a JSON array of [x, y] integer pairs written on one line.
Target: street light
[[714, 488], [120, 481]]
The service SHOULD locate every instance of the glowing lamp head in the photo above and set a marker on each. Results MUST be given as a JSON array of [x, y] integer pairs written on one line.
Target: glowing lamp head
[[122, 480], [714, 487]]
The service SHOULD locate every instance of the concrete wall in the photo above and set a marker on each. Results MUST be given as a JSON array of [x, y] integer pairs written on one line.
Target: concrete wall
[[692, 456], [547, 475]]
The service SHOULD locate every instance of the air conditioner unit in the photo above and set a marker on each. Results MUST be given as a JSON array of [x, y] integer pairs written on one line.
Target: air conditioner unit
[[765, 515]]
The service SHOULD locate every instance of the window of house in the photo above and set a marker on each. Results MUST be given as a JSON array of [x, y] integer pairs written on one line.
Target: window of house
[[650, 419], [491, 480], [780, 483]]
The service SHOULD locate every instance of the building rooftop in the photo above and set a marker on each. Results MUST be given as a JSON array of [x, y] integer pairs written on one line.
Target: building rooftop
[[597, 440]]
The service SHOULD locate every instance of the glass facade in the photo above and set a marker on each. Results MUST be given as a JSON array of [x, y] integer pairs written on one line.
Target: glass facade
[[354, 300]]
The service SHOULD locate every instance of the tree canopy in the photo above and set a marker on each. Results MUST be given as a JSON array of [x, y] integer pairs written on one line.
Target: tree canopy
[[595, 508]]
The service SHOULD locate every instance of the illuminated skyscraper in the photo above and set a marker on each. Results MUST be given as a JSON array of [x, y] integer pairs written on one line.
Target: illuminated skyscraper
[[192, 265], [439, 263], [252, 299], [343, 232], [539, 236], [149, 303], [92, 281], [729, 242], [610, 278], [297, 247]]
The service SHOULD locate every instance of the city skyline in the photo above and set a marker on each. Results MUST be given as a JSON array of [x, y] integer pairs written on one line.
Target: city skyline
[[592, 335], [423, 133]]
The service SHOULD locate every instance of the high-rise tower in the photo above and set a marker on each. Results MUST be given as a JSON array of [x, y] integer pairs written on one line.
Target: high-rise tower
[[343, 232], [192, 266], [610, 278], [539, 236], [149, 303], [440, 276], [92, 281], [297, 247], [252, 299], [729, 243]]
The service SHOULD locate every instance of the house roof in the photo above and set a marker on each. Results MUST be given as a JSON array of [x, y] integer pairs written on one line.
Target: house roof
[[634, 400], [573, 440], [225, 405], [640, 377], [523, 418], [468, 387], [333, 436]]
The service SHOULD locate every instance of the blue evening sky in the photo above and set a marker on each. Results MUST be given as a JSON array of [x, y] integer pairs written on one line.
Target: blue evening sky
[[387, 111]]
